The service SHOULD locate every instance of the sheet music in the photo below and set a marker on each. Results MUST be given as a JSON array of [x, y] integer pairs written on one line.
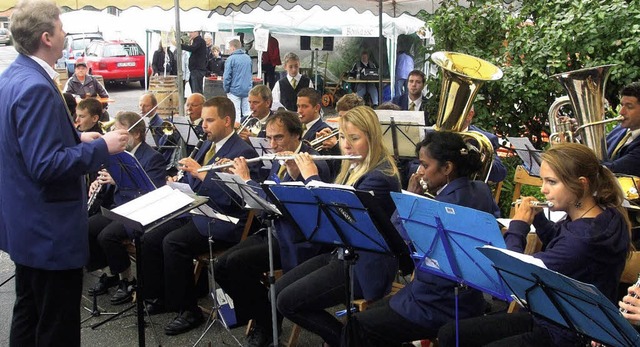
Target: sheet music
[[414, 117], [154, 205], [263, 147], [530, 155], [250, 196], [185, 128], [329, 185], [416, 195], [206, 210], [183, 187], [523, 257]]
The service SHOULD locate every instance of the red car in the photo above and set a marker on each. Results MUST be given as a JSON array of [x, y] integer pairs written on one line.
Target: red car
[[118, 61]]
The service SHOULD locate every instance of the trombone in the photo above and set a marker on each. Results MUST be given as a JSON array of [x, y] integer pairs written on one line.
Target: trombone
[[280, 158], [317, 143], [252, 124]]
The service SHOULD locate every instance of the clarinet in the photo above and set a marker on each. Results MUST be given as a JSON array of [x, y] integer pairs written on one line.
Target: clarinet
[[634, 295], [180, 173], [94, 194]]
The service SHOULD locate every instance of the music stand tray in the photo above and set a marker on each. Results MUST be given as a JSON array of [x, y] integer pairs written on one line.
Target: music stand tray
[[444, 237], [572, 304]]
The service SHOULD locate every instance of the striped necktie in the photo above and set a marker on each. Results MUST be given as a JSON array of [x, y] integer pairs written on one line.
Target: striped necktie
[[294, 83], [412, 106], [621, 144]]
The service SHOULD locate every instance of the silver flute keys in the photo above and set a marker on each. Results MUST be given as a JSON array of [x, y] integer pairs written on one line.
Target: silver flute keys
[[279, 157], [535, 203]]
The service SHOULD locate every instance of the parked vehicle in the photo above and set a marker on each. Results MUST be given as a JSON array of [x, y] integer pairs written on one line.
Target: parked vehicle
[[5, 37], [74, 45], [116, 61]]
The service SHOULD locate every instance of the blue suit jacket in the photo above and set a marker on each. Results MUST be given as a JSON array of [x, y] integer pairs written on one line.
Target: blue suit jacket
[[293, 249], [429, 300], [219, 196], [153, 164], [403, 102], [628, 159], [310, 135], [43, 201]]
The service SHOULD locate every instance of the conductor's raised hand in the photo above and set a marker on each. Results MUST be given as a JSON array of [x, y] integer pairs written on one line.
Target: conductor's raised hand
[[306, 165], [89, 136], [116, 140], [241, 168], [525, 211]]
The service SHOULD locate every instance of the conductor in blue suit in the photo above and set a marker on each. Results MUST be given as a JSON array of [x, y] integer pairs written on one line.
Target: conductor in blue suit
[[43, 160], [179, 247]]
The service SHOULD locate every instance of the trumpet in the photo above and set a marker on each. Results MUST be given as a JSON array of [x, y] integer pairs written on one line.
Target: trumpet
[[106, 126], [252, 124], [535, 203], [281, 158], [317, 143], [167, 128]]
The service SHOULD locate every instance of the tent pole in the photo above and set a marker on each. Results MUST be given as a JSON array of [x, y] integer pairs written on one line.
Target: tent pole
[[176, 7], [380, 54]]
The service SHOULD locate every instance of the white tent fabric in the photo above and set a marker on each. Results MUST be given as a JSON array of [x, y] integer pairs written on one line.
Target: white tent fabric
[[84, 21]]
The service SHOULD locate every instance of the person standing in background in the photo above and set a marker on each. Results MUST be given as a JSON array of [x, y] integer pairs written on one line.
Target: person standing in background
[[197, 61], [404, 65], [237, 79], [271, 59], [42, 172]]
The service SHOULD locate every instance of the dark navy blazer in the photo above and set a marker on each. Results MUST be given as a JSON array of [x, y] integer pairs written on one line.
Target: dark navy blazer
[[293, 249], [429, 300], [219, 196], [43, 200], [310, 135], [403, 102], [628, 160]]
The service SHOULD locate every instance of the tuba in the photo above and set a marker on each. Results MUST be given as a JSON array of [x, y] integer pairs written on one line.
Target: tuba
[[585, 89], [462, 77]]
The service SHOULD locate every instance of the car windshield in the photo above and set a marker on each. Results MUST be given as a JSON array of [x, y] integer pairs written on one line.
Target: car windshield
[[122, 50], [79, 44]]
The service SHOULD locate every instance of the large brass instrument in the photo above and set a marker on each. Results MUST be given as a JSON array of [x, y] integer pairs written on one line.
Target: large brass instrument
[[317, 143], [585, 93], [106, 126], [252, 124], [462, 77]]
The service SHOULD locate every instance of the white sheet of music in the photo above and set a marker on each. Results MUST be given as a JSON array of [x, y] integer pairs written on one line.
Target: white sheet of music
[[263, 147], [185, 128], [524, 257], [329, 185], [206, 210], [413, 117], [251, 198], [154, 205]]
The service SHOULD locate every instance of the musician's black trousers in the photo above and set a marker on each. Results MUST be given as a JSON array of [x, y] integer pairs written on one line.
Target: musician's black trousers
[[239, 272], [497, 330], [46, 311], [105, 245]]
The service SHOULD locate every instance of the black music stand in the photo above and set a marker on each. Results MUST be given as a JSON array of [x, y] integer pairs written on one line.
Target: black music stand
[[350, 219], [529, 155], [575, 305], [128, 173], [250, 198], [142, 215]]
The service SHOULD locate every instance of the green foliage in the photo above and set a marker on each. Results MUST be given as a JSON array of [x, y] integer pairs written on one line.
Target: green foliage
[[564, 35]]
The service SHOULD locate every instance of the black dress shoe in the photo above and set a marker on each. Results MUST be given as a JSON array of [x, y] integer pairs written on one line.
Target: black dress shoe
[[154, 306], [124, 293], [184, 322], [102, 286]]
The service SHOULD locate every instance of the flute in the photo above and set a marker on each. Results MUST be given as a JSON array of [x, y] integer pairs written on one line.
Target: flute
[[281, 158], [637, 284], [535, 203]]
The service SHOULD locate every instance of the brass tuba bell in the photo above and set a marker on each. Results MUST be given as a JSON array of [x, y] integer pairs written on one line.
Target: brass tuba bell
[[585, 89], [106, 126], [462, 77]]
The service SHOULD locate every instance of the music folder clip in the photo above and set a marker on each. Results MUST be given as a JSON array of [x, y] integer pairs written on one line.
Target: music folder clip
[[572, 304], [444, 237]]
